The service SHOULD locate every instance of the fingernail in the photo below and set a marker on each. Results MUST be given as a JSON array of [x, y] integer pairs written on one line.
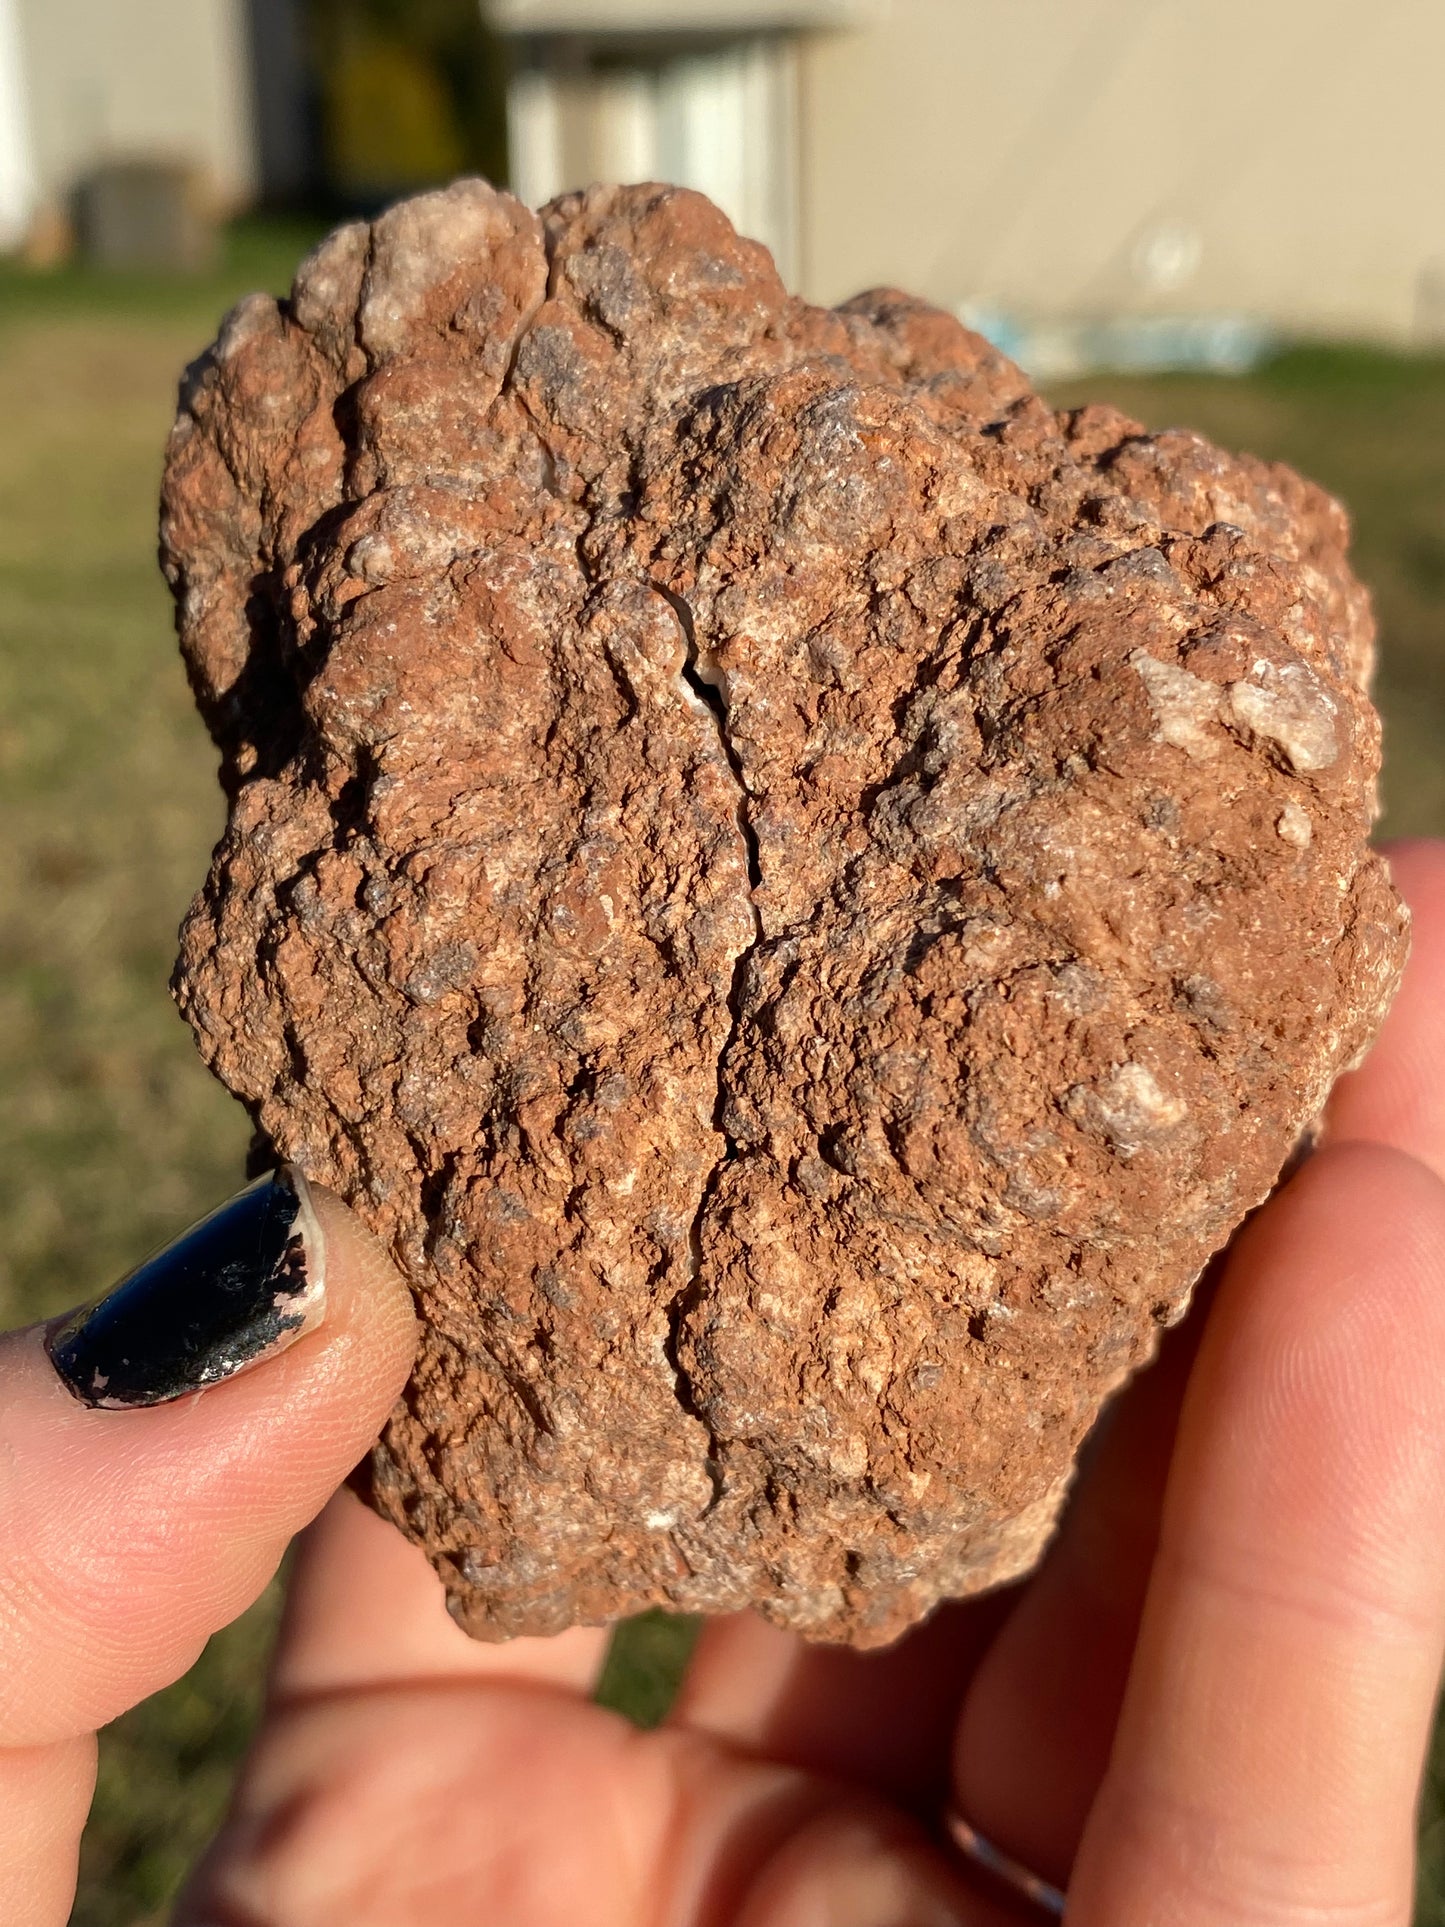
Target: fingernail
[[231, 1292]]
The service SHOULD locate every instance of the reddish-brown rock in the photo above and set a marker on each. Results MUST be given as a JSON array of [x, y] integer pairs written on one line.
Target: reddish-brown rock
[[801, 893]]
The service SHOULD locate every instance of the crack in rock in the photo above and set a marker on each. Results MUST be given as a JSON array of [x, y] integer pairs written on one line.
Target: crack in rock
[[709, 693]]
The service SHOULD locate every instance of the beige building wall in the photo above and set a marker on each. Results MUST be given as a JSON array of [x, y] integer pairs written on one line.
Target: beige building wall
[[130, 78], [1280, 158]]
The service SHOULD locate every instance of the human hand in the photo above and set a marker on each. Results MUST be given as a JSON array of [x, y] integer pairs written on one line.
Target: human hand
[[1209, 1706]]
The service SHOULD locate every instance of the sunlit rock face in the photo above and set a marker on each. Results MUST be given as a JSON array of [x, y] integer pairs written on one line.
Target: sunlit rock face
[[800, 892]]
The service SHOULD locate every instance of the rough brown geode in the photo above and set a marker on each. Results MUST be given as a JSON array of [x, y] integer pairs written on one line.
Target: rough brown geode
[[800, 892]]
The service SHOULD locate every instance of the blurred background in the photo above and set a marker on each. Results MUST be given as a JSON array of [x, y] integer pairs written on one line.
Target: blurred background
[[1214, 213]]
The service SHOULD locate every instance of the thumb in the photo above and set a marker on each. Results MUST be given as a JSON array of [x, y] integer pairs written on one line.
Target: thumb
[[129, 1536]]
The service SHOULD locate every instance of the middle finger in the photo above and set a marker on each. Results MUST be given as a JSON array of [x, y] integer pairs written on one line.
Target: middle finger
[[882, 1720]]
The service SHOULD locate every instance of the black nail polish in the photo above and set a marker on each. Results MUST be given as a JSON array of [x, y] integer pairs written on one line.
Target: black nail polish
[[235, 1289]]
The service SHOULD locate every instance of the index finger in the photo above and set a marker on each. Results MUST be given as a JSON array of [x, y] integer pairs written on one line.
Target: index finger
[[1397, 1096], [128, 1537]]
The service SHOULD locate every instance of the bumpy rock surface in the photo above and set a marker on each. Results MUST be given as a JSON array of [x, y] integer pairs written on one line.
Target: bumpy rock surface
[[800, 892]]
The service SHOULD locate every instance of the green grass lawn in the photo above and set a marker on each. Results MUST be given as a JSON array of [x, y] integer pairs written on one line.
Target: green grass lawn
[[111, 1135]]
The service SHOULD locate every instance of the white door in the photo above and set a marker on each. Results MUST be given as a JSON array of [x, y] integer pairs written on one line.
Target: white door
[[722, 121], [17, 176]]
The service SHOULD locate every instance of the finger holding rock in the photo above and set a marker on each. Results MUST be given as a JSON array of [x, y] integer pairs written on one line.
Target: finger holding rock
[[256, 1357]]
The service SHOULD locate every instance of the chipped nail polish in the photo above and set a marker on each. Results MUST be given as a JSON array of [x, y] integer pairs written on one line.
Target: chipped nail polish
[[233, 1291]]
